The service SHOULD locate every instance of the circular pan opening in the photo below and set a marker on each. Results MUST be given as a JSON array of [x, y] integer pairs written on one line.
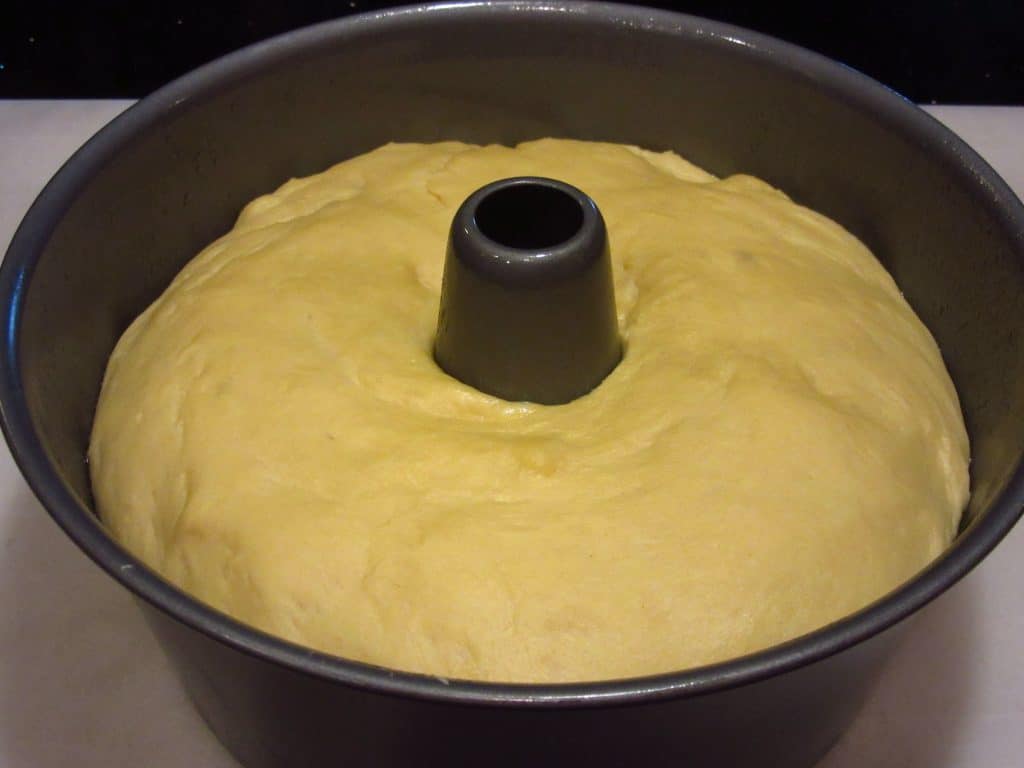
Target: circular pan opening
[[529, 216]]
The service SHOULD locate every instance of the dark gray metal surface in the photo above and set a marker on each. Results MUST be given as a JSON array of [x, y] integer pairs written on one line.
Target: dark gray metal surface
[[527, 303]]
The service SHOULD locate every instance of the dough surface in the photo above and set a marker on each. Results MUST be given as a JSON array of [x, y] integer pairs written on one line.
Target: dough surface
[[780, 445]]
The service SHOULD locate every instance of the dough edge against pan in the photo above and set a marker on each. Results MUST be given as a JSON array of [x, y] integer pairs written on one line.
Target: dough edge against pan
[[780, 446]]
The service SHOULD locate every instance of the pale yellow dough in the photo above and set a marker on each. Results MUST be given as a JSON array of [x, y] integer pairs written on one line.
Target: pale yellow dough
[[780, 446]]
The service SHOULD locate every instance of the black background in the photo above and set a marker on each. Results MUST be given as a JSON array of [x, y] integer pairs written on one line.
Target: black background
[[945, 51]]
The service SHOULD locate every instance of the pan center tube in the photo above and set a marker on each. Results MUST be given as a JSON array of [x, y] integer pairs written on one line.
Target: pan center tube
[[528, 302]]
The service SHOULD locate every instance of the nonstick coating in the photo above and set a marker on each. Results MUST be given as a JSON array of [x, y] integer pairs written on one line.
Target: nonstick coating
[[169, 175]]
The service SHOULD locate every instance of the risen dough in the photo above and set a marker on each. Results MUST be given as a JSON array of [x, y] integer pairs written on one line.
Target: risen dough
[[780, 445]]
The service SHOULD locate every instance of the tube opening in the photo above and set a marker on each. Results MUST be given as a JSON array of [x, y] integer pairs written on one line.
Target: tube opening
[[529, 216]]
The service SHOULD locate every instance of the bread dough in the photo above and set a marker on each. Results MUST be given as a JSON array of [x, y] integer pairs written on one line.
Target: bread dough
[[780, 446]]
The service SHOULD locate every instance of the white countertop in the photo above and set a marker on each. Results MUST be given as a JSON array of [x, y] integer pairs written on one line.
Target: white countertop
[[83, 683]]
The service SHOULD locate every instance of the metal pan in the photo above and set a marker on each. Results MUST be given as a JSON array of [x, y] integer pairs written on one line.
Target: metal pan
[[169, 175]]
